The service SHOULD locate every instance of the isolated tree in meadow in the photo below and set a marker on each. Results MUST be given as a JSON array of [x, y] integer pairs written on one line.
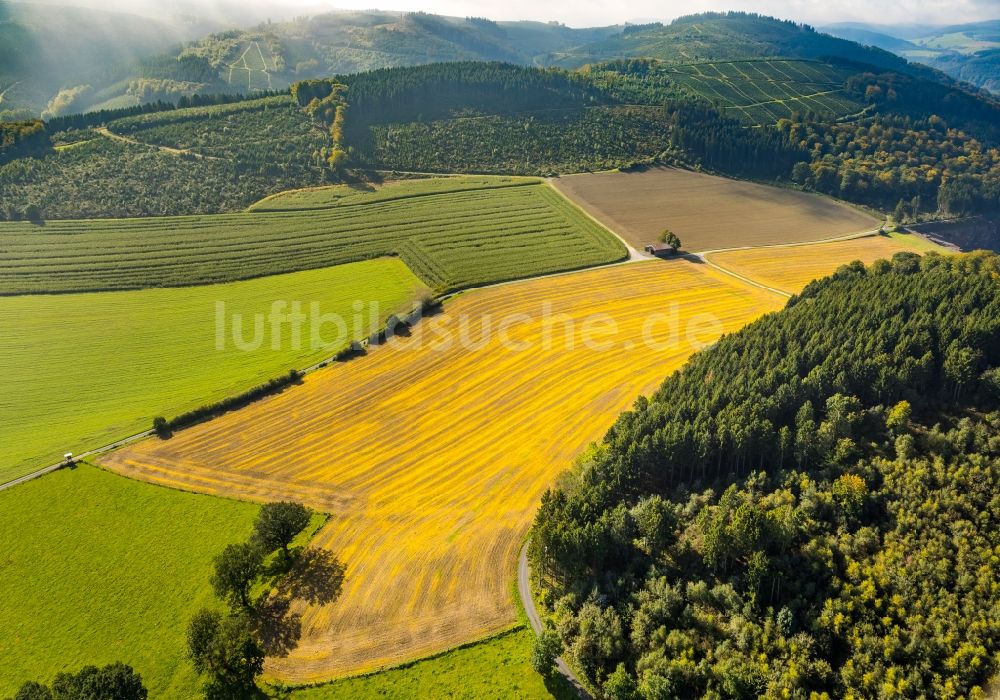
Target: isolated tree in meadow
[[278, 524], [161, 427], [225, 649], [670, 238], [236, 569]]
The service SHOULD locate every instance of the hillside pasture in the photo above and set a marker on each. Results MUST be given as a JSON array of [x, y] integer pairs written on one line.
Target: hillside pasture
[[431, 453], [451, 239], [98, 569], [790, 268], [83, 370], [708, 212], [764, 91]]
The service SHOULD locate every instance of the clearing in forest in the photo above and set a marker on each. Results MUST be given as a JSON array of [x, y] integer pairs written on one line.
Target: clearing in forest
[[708, 212], [790, 268], [432, 452]]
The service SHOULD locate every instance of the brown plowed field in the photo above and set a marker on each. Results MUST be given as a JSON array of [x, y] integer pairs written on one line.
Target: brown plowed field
[[708, 212], [432, 460]]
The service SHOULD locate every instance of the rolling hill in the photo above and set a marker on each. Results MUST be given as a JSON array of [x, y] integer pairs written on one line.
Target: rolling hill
[[967, 52], [274, 55]]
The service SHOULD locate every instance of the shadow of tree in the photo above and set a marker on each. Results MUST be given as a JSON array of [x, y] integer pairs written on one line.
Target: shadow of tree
[[278, 628], [316, 577]]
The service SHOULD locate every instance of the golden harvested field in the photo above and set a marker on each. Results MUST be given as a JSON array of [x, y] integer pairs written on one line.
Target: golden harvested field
[[790, 268], [708, 212], [432, 456]]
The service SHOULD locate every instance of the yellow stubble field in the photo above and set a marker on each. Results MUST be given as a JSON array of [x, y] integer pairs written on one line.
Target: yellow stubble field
[[790, 268], [432, 459]]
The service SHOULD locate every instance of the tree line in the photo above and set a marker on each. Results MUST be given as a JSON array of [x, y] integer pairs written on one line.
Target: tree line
[[100, 117]]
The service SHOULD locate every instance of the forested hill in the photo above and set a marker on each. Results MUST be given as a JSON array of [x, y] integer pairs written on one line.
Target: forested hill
[[274, 55], [810, 506]]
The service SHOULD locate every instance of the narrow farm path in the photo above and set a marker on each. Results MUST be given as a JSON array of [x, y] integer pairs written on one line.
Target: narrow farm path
[[107, 133], [76, 458], [704, 257]]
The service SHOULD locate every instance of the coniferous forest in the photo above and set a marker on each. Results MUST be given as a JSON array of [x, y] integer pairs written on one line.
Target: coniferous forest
[[810, 508]]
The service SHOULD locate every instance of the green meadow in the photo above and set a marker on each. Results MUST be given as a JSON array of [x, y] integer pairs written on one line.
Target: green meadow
[[97, 568], [82, 370], [499, 667]]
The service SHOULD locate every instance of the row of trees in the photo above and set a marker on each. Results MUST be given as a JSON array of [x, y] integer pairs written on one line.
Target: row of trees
[[115, 681], [228, 648], [804, 510], [104, 116], [324, 101]]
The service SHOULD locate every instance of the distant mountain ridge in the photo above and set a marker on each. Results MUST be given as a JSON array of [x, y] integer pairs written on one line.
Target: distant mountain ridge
[[272, 55], [110, 61]]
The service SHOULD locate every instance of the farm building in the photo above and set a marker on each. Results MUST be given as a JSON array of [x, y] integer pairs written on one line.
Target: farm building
[[659, 249]]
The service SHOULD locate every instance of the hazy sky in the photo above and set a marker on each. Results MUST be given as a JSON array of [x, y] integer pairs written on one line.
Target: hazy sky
[[600, 12]]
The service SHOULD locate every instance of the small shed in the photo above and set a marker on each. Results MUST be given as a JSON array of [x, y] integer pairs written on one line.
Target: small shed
[[659, 249]]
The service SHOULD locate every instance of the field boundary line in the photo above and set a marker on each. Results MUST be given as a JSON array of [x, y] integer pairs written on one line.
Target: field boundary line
[[403, 665], [834, 239], [741, 278], [413, 195], [528, 603], [703, 256]]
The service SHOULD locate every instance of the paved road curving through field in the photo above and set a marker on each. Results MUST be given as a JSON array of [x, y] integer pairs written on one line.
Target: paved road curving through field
[[524, 590]]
